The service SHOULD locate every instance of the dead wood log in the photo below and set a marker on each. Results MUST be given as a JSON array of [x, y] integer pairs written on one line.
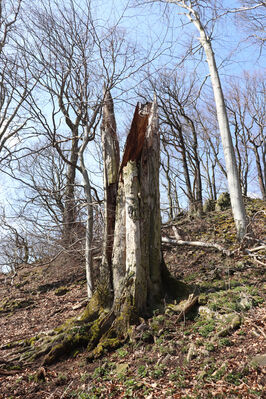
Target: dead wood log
[[188, 305], [200, 244]]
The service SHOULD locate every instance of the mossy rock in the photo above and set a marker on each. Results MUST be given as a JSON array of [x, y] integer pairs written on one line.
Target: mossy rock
[[230, 323], [259, 360], [8, 306], [223, 202], [209, 206], [61, 291]]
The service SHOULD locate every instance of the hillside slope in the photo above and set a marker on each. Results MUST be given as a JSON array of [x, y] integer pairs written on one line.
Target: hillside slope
[[216, 348]]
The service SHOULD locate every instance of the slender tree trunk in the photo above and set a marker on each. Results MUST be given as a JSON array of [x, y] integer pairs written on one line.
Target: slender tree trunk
[[185, 170], [214, 191], [89, 227], [69, 216], [88, 136], [264, 164], [237, 203], [262, 183], [198, 181], [111, 160], [166, 169]]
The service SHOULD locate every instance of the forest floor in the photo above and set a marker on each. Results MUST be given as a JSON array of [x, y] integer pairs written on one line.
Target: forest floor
[[217, 350]]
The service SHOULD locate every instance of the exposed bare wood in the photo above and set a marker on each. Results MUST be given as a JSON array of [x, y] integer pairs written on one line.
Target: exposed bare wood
[[200, 244], [257, 248], [137, 251], [136, 136]]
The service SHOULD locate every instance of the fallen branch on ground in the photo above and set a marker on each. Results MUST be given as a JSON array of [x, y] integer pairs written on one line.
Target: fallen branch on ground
[[192, 301], [253, 256], [257, 248], [200, 244]]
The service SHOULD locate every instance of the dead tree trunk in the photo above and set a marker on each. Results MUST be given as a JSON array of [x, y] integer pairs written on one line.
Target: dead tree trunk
[[111, 160], [137, 242]]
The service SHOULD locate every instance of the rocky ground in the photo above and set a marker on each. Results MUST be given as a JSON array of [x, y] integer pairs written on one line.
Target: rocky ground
[[213, 349]]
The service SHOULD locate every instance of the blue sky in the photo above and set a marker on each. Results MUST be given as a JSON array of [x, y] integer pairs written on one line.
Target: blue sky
[[164, 37]]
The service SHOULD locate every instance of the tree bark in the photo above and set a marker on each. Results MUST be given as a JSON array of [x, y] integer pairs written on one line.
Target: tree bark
[[69, 216], [262, 182], [237, 203], [137, 241], [111, 160], [89, 226]]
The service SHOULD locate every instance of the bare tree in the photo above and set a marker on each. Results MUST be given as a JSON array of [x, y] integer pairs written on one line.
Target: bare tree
[[73, 61], [16, 82], [179, 130], [250, 18], [14, 246], [247, 109], [41, 176], [139, 276], [194, 11]]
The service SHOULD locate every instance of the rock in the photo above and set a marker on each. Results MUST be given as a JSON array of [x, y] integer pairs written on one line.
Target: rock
[[192, 352], [204, 352], [215, 274], [223, 202], [231, 323], [61, 291], [121, 368], [166, 359], [245, 302], [142, 327], [206, 312], [260, 360], [209, 206]]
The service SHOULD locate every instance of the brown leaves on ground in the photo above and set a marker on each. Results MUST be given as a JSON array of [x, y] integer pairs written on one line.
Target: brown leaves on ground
[[155, 364]]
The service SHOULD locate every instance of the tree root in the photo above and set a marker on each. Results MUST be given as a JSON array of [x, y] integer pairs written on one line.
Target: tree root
[[97, 329]]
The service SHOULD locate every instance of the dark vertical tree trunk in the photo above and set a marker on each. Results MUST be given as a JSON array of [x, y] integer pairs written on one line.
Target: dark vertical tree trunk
[[111, 160], [262, 182]]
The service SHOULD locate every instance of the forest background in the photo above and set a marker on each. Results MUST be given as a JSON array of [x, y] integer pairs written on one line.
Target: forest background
[[55, 61]]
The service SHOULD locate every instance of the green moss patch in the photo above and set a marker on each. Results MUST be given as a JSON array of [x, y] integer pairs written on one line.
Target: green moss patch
[[11, 305]]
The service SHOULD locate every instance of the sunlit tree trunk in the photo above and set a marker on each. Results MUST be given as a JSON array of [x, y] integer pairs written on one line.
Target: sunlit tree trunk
[[261, 178], [137, 240], [237, 203], [89, 131]]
